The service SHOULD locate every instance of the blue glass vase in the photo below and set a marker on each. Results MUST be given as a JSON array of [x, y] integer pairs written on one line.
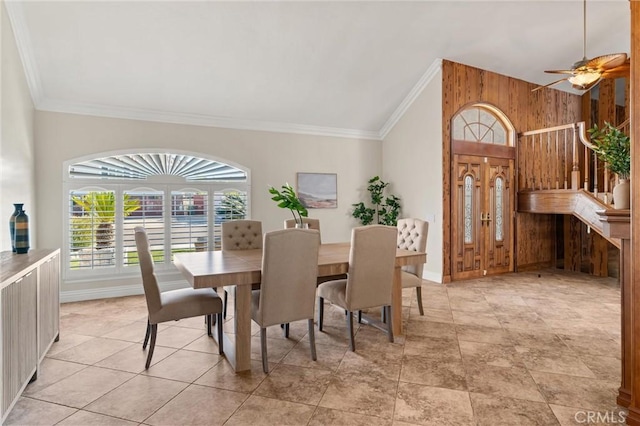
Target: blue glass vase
[[12, 224], [21, 236]]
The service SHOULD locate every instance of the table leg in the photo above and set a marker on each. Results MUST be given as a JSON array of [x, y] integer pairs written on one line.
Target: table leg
[[396, 303], [238, 351]]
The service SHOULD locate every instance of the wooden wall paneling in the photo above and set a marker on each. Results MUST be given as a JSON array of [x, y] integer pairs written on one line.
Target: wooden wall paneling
[[448, 88], [572, 243], [599, 255], [607, 102]]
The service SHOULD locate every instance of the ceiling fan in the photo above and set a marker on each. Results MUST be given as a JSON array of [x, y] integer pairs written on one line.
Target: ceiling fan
[[586, 73]]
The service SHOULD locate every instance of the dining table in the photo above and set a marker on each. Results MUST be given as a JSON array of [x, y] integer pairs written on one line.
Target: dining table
[[242, 268]]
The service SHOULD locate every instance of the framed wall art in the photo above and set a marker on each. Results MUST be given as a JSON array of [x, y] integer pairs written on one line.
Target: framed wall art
[[318, 190]]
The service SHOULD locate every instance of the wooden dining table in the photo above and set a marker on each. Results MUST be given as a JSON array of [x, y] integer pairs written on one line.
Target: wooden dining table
[[241, 268]]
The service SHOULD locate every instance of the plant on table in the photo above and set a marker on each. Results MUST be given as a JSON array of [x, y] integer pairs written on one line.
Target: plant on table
[[287, 199]]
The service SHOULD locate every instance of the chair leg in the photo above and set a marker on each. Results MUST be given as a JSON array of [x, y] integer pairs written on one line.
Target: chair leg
[[220, 334], [383, 315], [312, 340], [263, 347], [389, 325], [224, 304], [352, 343], [359, 317], [285, 329], [154, 331], [146, 336], [320, 312], [419, 293], [209, 320]]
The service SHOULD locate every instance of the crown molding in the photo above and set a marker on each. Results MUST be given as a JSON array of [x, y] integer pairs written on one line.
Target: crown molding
[[426, 78], [201, 120], [23, 42]]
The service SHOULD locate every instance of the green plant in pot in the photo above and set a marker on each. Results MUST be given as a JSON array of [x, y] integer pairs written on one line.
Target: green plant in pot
[[385, 210], [287, 199], [614, 148]]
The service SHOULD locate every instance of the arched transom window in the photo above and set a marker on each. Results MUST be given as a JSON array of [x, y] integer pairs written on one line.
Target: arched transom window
[[181, 200], [480, 124]]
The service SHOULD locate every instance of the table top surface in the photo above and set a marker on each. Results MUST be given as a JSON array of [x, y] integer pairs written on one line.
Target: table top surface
[[217, 268]]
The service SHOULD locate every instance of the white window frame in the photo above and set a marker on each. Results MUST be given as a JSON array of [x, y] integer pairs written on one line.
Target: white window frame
[[163, 183]]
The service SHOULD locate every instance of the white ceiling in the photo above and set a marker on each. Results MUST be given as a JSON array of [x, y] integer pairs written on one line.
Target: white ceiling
[[343, 68]]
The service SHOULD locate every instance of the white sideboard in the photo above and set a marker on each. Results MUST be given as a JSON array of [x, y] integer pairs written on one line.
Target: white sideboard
[[29, 318]]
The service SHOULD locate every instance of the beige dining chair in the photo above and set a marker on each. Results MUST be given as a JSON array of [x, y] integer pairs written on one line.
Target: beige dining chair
[[369, 279], [241, 234], [412, 235], [175, 304], [288, 283]]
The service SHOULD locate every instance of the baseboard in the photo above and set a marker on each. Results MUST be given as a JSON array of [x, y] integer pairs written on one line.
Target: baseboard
[[432, 276], [109, 292]]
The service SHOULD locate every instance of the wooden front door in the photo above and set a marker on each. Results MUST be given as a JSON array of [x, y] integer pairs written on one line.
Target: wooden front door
[[482, 216]]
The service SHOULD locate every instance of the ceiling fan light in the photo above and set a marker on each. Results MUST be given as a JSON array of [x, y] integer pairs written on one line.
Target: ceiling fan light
[[585, 80]]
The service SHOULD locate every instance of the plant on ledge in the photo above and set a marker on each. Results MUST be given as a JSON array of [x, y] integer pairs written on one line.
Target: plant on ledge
[[385, 210], [287, 199], [613, 147]]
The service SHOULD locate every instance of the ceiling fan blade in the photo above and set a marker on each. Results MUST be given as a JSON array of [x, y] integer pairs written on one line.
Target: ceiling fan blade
[[547, 85], [560, 71], [606, 62], [618, 72], [586, 87]]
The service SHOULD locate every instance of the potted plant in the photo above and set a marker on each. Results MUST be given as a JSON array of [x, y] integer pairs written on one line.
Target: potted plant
[[385, 211], [614, 148], [287, 199]]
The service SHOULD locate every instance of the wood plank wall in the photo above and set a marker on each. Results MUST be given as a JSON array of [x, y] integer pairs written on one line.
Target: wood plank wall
[[463, 85]]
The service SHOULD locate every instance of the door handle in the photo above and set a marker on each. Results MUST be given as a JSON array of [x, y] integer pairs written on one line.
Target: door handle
[[484, 217]]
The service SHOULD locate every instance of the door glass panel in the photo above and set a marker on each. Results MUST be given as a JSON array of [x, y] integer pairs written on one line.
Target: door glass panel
[[499, 201], [468, 203]]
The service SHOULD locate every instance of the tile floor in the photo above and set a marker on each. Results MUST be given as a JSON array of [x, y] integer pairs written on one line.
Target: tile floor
[[537, 348]]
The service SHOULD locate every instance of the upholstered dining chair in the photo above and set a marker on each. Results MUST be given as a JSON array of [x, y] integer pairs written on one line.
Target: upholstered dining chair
[[241, 234], [288, 284], [412, 235], [369, 279], [311, 222], [175, 304]]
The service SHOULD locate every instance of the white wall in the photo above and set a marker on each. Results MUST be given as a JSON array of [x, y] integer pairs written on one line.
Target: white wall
[[412, 163], [274, 158], [16, 136]]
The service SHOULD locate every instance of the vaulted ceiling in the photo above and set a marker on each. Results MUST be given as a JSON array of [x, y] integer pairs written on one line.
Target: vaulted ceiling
[[339, 68]]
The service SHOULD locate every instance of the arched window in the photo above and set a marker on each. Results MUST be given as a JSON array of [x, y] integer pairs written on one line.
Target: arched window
[[482, 124], [181, 199]]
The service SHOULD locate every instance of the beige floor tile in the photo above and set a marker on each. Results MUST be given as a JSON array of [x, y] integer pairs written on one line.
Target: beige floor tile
[[83, 387], [448, 374], [486, 353], [328, 356], [90, 325], [222, 376], [277, 349], [137, 399], [374, 396], [133, 332], [203, 344], [183, 365], [370, 339], [178, 337], [484, 319], [540, 360], [325, 416], [473, 333], [85, 418], [434, 315], [67, 341], [260, 411], [198, 405], [500, 411], [295, 384], [498, 381], [560, 389], [430, 329], [29, 411], [544, 341], [602, 346], [92, 351], [572, 416], [371, 363], [604, 367], [428, 405], [445, 349], [133, 358], [51, 371]]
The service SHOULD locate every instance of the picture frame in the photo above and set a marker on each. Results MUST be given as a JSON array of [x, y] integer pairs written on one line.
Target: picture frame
[[318, 190]]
